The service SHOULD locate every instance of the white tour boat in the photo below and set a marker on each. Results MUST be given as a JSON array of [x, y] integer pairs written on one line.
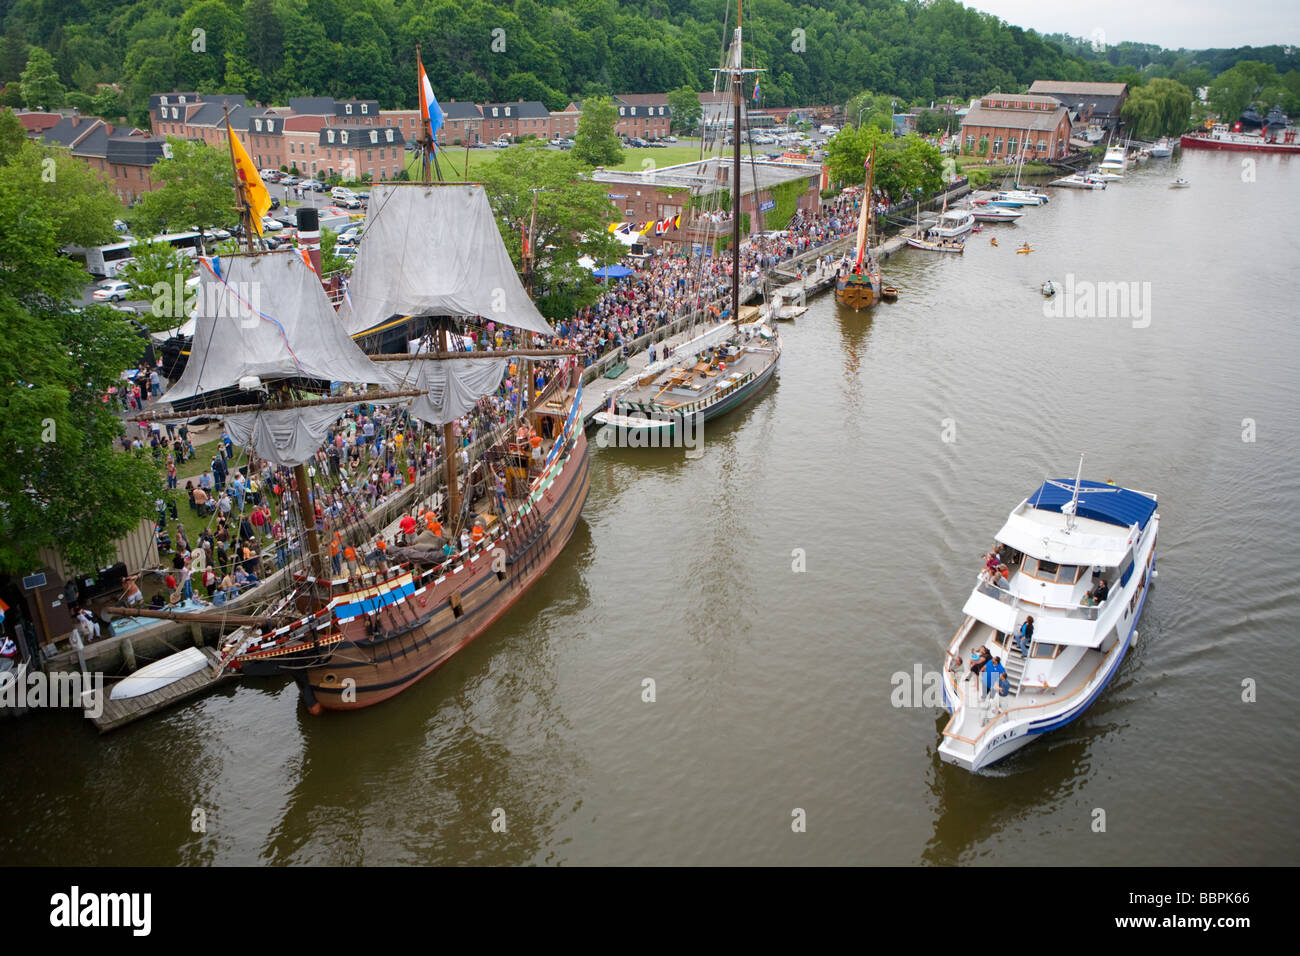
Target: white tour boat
[[1114, 162], [1059, 546]]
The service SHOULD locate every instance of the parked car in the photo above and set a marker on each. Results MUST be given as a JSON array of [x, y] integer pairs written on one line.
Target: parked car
[[289, 181], [112, 291], [271, 225], [363, 195], [670, 139], [349, 203], [221, 233], [501, 142]]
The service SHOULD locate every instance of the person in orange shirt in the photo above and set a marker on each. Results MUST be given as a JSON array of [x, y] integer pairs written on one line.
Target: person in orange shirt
[[476, 535], [335, 562], [432, 523], [536, 441], [350, 554]]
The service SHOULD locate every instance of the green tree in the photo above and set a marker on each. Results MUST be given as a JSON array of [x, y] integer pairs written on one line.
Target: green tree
[[62, 483], [1161, 108], [157, 272], [1239, 87], [573, 214], [197, 189], [330, 261], [687, 112], [596, 143], [40, 83]]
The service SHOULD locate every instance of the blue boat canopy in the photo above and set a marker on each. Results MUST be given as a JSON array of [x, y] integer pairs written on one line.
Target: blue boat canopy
[[1097, 500], [612, 272]]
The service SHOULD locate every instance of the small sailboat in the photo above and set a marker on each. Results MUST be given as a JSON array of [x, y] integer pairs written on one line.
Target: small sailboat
[[858, 283]]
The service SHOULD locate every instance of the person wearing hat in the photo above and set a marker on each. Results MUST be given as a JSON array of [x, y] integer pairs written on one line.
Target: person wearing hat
[[131, 593]]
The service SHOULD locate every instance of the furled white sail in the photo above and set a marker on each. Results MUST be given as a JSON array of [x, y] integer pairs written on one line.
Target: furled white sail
[[287, 436], [434, 250], [451, 387], [268, 316]]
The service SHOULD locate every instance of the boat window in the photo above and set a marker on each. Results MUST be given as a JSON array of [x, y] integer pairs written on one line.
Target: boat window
[[1126, 573], [1045, 651]]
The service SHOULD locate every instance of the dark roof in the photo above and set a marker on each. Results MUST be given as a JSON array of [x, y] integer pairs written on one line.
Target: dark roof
[[371, 107], [272, 123], [529, 109], [94, 143], [135, 150], [460, 110], [359, 137], [1097, 500], [173, 99], [312, 105], [69, 130]]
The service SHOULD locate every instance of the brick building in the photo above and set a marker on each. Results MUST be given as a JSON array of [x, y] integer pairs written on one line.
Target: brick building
[[1098, 103], [124, 156], [356, 151], [1010, 122], [515, 120]]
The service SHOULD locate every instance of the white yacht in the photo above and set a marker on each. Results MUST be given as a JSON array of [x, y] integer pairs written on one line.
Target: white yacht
[[1080, 181], [1115, 160], [1065, 543], [1022, 197], [953, 223], [1163, 148]]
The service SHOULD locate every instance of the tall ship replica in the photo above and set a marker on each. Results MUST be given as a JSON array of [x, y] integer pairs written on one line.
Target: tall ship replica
[[351, 634], [858, 282], [716, 371], [1057, 608]]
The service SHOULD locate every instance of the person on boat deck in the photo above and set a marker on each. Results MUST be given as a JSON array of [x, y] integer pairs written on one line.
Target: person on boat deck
[[1097, 594], [448, 551], [407, 525], [1025, 636], [1004, 690], [500, 491], [979, 660], [476, 535], [464, 540], [991, 673], [131, 593]]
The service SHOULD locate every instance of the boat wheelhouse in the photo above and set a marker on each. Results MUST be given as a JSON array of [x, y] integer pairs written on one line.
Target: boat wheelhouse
[[1078, 558]]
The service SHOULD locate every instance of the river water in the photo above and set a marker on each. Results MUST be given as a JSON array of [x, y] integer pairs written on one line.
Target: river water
[[881, 462]]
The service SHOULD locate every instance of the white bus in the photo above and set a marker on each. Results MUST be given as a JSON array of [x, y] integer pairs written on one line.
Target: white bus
[[106, 261]]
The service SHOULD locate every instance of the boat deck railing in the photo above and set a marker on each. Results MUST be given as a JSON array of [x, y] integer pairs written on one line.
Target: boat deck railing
[[1081, 612]]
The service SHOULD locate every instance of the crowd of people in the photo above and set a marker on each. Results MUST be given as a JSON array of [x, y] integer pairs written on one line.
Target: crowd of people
[[670, 285], [371, 453]]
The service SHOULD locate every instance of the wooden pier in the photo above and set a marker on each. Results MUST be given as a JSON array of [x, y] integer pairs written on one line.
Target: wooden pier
[[119, 713]]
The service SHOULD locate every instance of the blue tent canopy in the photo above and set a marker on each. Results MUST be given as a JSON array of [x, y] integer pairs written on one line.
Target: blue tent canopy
[[612, 272], [1097, 500]]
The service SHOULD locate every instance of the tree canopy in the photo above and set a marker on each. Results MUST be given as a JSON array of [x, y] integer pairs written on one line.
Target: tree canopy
[[62, 483], [596, 143], [814, 51]]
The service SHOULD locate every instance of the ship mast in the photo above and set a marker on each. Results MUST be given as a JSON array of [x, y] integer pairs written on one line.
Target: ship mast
[[735, 72]]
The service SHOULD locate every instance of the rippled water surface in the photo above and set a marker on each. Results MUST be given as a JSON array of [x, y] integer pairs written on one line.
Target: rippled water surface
[[773, 688]]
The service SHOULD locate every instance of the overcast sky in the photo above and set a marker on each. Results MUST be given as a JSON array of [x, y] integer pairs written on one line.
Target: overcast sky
[[1194, 24]]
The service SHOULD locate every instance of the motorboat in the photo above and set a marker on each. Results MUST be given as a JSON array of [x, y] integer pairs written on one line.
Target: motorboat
[[952, 223], [1162, 149], [1080, 181], [1076, 560], [1179, 183]]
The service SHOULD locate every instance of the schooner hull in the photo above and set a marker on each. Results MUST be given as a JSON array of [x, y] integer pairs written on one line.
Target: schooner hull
[[420, 632]]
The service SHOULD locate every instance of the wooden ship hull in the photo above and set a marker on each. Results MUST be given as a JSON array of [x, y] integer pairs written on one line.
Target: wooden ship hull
[[376, 641], [857, 291]]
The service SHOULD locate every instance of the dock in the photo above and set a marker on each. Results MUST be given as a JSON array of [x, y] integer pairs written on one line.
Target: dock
[[119, 713]]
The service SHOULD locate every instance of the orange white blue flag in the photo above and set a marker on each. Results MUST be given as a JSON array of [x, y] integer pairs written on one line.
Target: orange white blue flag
[[429, 107]]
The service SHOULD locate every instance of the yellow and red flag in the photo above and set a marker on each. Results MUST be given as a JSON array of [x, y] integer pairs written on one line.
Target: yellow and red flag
[[259, 200]]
